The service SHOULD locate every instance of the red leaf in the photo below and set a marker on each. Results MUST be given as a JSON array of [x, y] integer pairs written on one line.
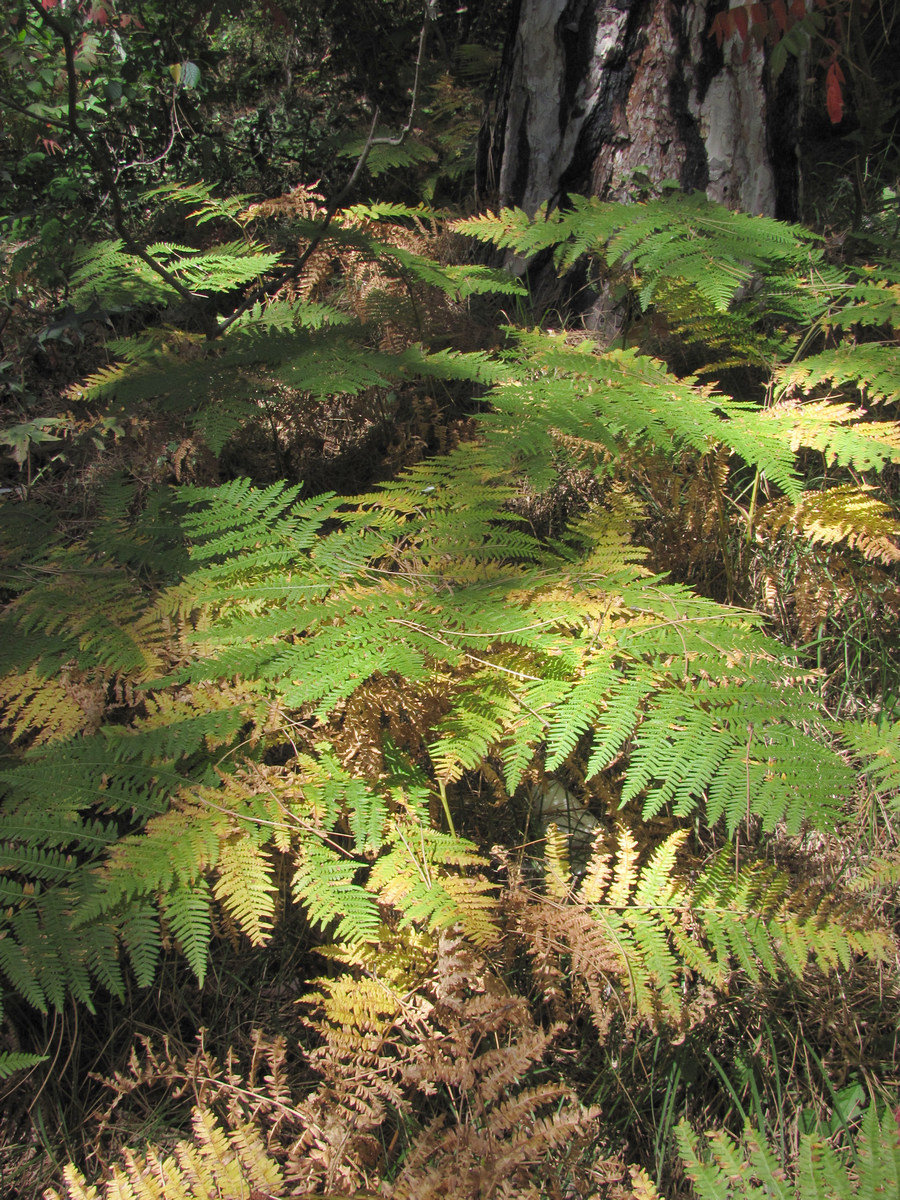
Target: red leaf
[[46, 5], [834, 93], [798, 9], [759, 16], [740, 21], [779, 12], [720, 28]]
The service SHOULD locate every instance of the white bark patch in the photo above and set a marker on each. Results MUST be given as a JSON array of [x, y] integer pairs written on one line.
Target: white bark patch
[[732, 118], [536, 97]]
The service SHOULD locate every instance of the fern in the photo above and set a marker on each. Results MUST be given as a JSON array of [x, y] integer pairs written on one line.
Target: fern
[[680, 236], [620, 398], [878, 746], [549, 653], [844, 513], [110, 273], [721, 278], [869, 366], [223, 616], [12, 1061], [730, 1168], [656, 932], [417, 875], [218, 1161]]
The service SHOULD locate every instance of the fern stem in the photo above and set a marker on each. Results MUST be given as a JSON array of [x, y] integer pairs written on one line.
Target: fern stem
[[443, 793], [751, 512]]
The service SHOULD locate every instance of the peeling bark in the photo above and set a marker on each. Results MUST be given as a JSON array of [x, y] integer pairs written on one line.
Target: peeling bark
[[599, 90]]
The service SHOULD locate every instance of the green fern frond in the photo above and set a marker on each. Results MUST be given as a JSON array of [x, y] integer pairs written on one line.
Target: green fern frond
[[384, 157], [621, 398], [869, 366], [244, 885], [110, 274], [417, 876], [871, 300], [14, 1060], [325, 884], [677, 237], [550, 655], [834, 430], [186, 905], [200, 194], [43, 956], [878, 746], [731, 1168]]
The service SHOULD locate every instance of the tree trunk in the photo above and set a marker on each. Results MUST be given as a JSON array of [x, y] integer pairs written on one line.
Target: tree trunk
[[600, 95]]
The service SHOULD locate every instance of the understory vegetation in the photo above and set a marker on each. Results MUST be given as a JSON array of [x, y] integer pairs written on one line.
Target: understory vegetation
[[448, 750]]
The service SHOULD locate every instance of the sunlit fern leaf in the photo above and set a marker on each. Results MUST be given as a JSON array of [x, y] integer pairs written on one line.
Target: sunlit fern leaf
[[834, 430], [748, 1167], [109, 273], [654, 929], [877, 744], [870, 366], [873, 300], [199, 196], [418, 876], [325, 884], [186, 906], [679, 236], [749, 755], [617, 398], [217, 1161], [244, 885], [845, 513], [557, 872]]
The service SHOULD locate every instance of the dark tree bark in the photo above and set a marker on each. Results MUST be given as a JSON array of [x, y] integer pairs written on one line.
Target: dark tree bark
[[596, 90]]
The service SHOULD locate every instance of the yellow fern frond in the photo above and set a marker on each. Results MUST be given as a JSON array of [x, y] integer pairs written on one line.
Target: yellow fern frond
[[477, 903], [49, 709], [245, 886], [556, 862], [642, 1186], [357, 1011], [403, 958], [625, 873], [215, 1163], [597, 872], [846, 513]]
